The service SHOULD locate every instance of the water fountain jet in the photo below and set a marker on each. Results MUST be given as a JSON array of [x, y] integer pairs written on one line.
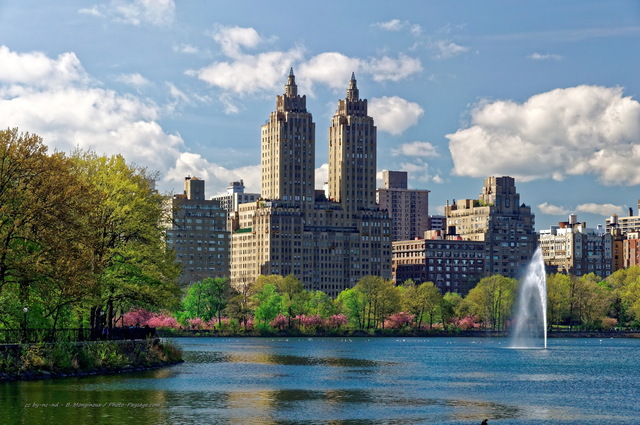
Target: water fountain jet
[[529, 329]]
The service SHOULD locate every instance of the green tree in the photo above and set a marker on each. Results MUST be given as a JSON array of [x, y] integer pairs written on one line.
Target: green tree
[[351, 303], [558, 289], [318, 302], [268, 304], [206, 299], [421, 301], [492, 300], [381, 298], [293, 296], [129, 255], [590, 300], [44, 237], [449, 306], [625, 285]]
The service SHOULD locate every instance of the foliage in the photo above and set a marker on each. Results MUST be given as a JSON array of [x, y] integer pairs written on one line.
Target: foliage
[[420, 301], [381, 298], [492, 300], [206, 299], [558, 301], [268, 304]]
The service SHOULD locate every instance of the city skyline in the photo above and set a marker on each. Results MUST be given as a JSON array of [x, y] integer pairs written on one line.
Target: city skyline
[[542, 92]]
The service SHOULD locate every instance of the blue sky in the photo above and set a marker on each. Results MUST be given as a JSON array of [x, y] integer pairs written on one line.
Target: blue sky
[[545, 91]]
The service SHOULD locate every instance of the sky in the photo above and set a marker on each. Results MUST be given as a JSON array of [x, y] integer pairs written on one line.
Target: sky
[[545, 91]]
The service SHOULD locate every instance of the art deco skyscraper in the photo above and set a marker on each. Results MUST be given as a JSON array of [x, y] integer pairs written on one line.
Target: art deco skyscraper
[[328, 245], [288, 149], [352, 153]]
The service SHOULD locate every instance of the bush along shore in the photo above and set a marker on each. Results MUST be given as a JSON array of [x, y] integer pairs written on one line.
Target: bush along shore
[[66, 359]]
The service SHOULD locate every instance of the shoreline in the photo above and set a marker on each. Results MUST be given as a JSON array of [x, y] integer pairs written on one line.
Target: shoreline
[[45, 375], [391, 334], [22, 362]]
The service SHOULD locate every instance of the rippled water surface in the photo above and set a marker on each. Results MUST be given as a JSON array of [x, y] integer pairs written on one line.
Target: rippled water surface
[[351, 381]]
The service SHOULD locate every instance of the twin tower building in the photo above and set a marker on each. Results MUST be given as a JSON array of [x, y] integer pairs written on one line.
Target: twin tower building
[[327, 243]]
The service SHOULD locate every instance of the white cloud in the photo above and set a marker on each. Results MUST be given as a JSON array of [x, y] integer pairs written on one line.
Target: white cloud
[[601, 209], [135, 80], [446, 49], [392, 25], [394, 114], [187, 49], [544, 56], [574, 131], [321, 175], [55, 99], [249, 74], [216, 176], [135, 12], [420, 171], [386, 68], [233, 39], [330, 68], [398, 25], [94, 11], [546, 208], [261, 72], [37, 69], [424, 149]]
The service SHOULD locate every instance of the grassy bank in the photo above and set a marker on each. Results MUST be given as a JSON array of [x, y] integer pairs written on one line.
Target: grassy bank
[[35, 361]]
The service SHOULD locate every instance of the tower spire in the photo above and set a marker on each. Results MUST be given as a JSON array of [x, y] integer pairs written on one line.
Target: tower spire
[[352, 92], [291, 89]]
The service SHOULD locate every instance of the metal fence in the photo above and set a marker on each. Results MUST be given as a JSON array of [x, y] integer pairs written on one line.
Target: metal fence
[[15, 336]]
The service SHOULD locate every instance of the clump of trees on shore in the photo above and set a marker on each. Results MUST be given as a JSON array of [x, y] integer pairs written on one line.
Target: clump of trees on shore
[[276, 303], [80, 238]]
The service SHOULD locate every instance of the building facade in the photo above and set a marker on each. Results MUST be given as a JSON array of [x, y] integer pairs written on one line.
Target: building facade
[[631, 249], [498, 219], [572, 248], [198, 234], [328, 244], [235, 196], [408, 209], [453, 265]]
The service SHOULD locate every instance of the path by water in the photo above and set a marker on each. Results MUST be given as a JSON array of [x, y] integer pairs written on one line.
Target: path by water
[[351, 381]]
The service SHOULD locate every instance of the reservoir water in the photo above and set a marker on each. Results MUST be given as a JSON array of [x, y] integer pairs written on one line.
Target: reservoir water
[[351, 381]]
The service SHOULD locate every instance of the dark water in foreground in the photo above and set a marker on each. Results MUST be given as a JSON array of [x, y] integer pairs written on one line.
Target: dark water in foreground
[[359, 381]]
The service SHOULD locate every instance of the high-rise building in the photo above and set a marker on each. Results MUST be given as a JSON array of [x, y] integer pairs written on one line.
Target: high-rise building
[[352, 153], [198, 234], [235, 196], [437, 222], [288, 150], [328, 245], [408, 208], [452, 264], [624, 225], [498, 219], [571, 247]]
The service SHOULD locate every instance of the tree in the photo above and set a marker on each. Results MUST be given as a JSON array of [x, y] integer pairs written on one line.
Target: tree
[[492, 300], [421, 301], [625, 286], [380, 299], [558, 288], [206, 299], [352, 303], [129, 255], [319, 303], [293, 296], [268, 303], [44, 237], [590, 300], [449, 306]]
